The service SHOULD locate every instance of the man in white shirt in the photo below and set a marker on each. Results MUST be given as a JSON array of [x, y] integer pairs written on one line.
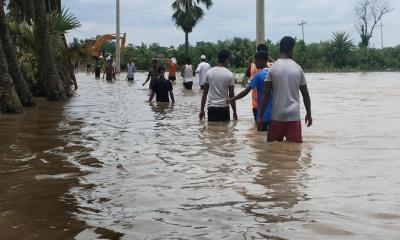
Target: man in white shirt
[[202, 71], [218, 85], [131, 69], [286, 78]]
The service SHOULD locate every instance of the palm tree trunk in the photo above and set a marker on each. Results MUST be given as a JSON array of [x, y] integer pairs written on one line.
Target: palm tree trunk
[[9, 101], [55, 5], [51, 82], [21, 86], [29, 12], [186, 44]]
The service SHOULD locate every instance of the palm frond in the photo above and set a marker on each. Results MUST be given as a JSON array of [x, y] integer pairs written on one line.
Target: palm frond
[[63, 22]]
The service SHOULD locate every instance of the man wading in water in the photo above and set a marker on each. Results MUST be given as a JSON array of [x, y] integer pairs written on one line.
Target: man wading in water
[[219, 83], [251, 71], [131, 69], [285, 78], [188, 73], [161, 88], [171, 63], [261, 61], [109, 71], [153, 74], [202, 70]]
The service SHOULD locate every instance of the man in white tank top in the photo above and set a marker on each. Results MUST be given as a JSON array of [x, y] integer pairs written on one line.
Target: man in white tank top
[[188, 73]]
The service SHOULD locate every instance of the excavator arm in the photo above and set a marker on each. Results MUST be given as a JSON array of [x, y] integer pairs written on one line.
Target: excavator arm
[[106, 37]]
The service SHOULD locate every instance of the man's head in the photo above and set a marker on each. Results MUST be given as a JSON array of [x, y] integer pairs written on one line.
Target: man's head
[[188, 61], [203, 58], [155, 63], [161, 71], [261, 59], [129, 61], [223, 57], [287, 46], [262, 47]]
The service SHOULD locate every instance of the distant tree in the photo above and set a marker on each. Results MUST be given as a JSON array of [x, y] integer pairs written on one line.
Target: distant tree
[[369, 13], [340, 47], [187, 13]]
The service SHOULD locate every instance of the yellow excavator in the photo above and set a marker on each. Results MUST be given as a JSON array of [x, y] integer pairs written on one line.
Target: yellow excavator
[[95, 44]]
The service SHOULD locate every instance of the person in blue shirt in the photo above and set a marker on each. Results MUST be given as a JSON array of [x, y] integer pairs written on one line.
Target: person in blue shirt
[[261, 61]]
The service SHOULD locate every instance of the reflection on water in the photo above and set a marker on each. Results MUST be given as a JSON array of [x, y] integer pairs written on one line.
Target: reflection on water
[[36, 174], [281, 172], [109, 165]]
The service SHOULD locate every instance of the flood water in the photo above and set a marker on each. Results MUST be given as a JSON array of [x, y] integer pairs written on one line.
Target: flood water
[[107, 165]]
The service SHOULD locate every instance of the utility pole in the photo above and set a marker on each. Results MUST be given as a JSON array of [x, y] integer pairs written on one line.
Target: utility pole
[[118, 44], [382, 34], [260, 22], [302, 28]]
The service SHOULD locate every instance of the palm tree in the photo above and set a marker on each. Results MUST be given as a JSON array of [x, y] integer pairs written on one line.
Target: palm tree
[[21, 86], [341, 45], [187, 13], [52, 84]]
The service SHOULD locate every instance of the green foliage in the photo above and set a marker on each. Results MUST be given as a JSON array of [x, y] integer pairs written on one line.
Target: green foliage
[[108, 48], [78, 50], [27, 51], [338, 54], [340, 48]]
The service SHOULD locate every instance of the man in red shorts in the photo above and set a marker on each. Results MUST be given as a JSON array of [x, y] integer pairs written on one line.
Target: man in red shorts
[[286, 78]]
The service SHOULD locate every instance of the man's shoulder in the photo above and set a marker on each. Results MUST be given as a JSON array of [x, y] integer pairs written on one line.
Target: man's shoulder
[[261, 74]]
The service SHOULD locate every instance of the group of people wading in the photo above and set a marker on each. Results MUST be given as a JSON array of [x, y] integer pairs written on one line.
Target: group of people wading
[[275, 87]]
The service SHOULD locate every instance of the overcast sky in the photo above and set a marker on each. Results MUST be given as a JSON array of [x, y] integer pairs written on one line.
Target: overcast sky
[[150, 20]]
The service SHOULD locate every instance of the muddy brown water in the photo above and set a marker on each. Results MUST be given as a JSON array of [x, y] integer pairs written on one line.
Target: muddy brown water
[[107, 165]]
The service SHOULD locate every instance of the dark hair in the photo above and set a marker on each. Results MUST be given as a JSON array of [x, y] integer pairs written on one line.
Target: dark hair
[[155, 60], [223, 55], [287, 44], [160, 69], [188, 60], [262, 55], [262, 47]]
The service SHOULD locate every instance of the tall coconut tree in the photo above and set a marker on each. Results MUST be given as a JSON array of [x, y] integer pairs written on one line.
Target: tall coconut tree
[[187, 13], [9, 101], [21, 86], [52, 84]]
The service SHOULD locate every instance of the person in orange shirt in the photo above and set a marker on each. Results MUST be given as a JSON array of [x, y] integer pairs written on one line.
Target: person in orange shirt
[[250, 72], [171, 63]]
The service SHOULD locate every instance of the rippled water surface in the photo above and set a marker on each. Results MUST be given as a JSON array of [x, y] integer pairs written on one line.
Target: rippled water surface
[[107, 165]]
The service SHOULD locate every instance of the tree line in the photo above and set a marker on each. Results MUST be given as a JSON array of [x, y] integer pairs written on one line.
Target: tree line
[[337, 54]]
